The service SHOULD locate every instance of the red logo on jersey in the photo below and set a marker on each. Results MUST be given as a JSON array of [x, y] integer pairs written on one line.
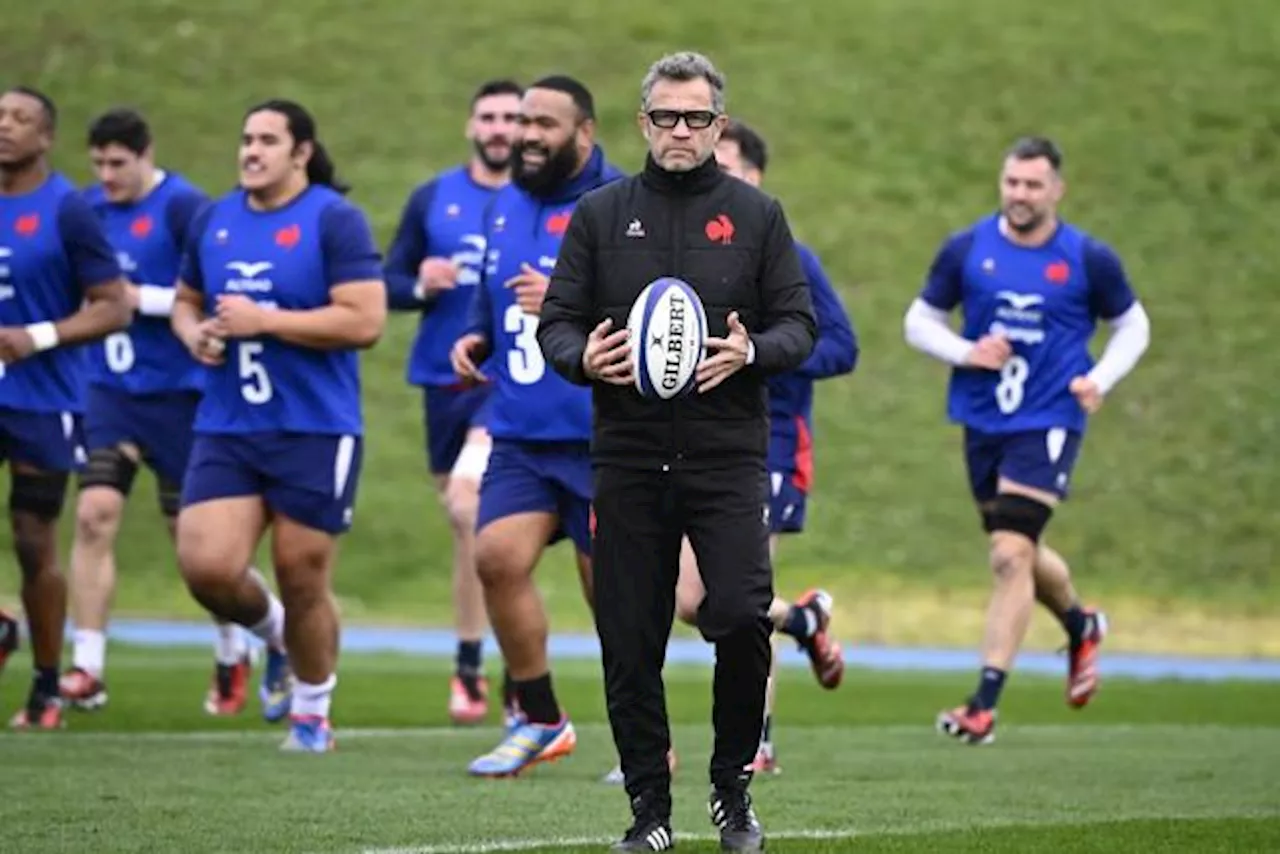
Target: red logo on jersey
[[289, 237], [558, 223], [1058, 272], [27, 225], [141, 227], [720, 230]]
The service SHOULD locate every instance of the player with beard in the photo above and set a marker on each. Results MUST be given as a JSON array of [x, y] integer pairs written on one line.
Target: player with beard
[[537, 487], [1031, 289], [60, 287], [432, 267]]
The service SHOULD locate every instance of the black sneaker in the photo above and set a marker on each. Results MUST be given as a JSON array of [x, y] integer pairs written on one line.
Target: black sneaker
[[651, 830], [731, 812]]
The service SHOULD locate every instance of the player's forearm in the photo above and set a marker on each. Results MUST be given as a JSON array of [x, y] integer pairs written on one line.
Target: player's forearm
[[333, 327], [185, 319], [404, 292], [1129, 340], [106, 311], [926, 329]]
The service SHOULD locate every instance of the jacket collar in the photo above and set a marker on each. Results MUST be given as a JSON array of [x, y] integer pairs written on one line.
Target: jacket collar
[[697, 180]]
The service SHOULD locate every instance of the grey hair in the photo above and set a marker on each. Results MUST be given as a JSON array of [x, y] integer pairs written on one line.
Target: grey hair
[[685, 65]]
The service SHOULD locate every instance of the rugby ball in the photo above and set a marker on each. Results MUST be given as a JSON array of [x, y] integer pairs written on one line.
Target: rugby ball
[[668, 333]]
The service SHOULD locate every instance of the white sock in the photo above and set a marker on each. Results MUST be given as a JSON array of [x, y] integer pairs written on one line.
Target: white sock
[[231, 645], [271, 627], [313, 700], [90, 652]]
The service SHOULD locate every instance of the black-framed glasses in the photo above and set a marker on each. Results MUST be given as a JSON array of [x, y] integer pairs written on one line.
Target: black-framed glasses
[[693, 119]]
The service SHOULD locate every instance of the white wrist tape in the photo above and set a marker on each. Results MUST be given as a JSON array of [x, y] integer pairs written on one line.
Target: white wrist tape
[[43, 335], [156, 301]]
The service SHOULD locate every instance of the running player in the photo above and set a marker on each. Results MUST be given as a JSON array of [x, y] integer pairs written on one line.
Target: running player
[[1031, 288], [141, 400], [743, 153], [537, 487], [281, 286], [432, 267], [60, 286]]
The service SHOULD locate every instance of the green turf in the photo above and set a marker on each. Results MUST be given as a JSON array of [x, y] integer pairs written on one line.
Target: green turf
[[1148, 765], [887, 119]]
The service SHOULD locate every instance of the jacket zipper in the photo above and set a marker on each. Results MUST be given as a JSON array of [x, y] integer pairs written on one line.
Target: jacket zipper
[[677, 244]]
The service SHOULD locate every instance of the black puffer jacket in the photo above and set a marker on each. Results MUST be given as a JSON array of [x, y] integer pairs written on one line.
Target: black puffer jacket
[[728, 240]]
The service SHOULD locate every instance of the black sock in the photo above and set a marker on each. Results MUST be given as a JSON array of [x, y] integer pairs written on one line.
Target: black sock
[[46, 682], [538, 700], [797, 623], [989, 685], [508, 690], [1076, 622], [469, 658]]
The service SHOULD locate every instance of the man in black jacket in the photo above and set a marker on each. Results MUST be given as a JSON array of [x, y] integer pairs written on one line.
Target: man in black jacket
[[693, 465]]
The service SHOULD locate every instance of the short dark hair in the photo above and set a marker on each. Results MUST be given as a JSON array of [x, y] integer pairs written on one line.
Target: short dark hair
[[46, 104], [580, 94], [1035, 147], [751, 145], [120, 126], [496, 87]]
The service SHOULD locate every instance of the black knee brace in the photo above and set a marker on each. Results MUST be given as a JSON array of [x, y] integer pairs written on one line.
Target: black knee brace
[[109, 467], [170, 495], [1019, 514], [41, 495]]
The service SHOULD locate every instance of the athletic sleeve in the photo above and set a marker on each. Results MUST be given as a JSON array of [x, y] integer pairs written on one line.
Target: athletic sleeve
[[407, 251], [568, 306], [1110, 294], [190, 272], [788, 328], [180, 212], [93, 261], [479, 309], [347, 243], [944, 286], [836, 350]]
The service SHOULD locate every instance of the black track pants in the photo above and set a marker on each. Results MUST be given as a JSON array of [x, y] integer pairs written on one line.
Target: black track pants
[[640, 518]]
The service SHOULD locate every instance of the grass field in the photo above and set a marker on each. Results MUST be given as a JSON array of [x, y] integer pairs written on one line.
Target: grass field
[[1157, 766], [887, 119]]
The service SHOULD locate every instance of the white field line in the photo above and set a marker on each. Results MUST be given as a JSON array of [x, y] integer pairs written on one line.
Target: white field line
[[500, 845], [361, 733]]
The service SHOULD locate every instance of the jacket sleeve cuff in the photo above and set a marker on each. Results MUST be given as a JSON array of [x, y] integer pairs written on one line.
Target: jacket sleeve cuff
[[751, 351]]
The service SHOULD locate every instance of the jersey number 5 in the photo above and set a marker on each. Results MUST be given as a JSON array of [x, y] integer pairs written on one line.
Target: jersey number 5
[[525, 362], [255, 383], [1013, 380]]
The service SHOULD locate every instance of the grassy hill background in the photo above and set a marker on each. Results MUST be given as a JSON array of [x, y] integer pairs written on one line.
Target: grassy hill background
[[887, 119]]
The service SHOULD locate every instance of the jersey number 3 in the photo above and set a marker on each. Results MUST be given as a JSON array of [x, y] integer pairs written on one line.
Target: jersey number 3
[[525, 362], [1013, 381], [255, 383]]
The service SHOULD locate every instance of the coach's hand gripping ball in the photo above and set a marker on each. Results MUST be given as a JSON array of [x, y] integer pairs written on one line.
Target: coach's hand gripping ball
[[668, 333]]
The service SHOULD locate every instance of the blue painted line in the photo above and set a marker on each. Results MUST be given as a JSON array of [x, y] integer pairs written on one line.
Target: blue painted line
[[438, 642]]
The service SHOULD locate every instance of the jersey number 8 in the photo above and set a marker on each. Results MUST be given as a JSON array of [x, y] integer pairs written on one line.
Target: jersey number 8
[[256, 385], [1013, 380]]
